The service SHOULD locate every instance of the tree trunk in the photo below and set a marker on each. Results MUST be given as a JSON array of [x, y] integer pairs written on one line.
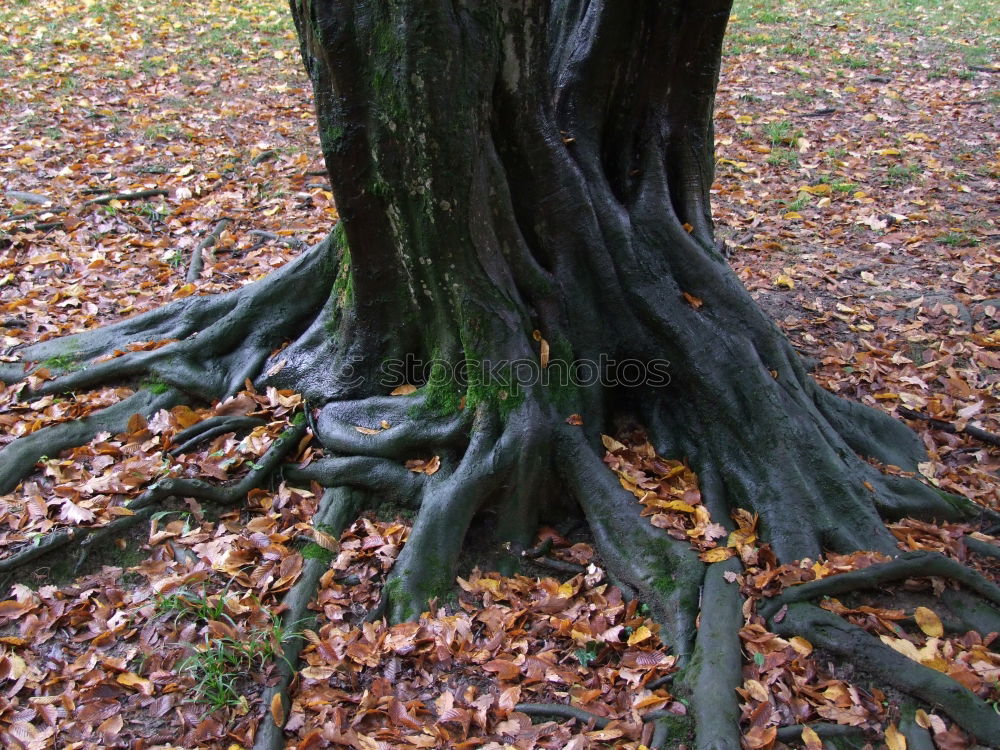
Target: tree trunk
[[515, 170]]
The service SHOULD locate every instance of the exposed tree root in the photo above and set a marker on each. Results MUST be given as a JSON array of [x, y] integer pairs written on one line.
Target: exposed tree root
[[982, 548], [971, 430], [715, 668], [833, 633], [200, 432], [520, 458], [917, 738], [908, 565], [20, 456], [562, 711], [144, 505], [826, 731], [197, 255], [337, 508]]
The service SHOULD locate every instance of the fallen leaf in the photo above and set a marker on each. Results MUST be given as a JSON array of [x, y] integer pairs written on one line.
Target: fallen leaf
[[928, 622]]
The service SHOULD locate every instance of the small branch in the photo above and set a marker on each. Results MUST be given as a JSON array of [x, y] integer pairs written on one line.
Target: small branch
[[336, 509], [137, 195], [197, 261], [562, 712], [821, 112], [971, 430]]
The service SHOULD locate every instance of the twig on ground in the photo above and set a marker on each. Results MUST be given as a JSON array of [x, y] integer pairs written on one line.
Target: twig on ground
[[938, 424], [563, 712], [197, 256], [137, 195]]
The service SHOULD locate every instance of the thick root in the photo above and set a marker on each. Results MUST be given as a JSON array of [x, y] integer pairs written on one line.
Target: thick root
[[715, 669], [337, 508], [827, 630], [425, 567], [907, 565]]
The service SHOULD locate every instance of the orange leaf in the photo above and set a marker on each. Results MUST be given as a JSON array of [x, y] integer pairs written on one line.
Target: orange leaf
[[695, 302], [277, 710]]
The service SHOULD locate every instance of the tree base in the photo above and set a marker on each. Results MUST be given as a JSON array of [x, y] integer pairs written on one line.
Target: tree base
[[791, 458]]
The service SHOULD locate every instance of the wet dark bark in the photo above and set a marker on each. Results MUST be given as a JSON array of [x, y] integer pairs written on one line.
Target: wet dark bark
[[509, 168]]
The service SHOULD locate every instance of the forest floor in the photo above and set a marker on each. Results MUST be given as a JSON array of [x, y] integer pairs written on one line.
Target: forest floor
[[857, 186]]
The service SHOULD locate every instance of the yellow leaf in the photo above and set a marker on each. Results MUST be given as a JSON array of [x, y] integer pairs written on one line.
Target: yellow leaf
[[869, 117], [929, 622], [783, 281], [678, 505], [801, 645], [893, 739], [889, 151], [901, 645], [744, 120], [132, 680], [611, 444], [717, 554], [756, 690], [566, 590], [404, 390], [326, 541], [922, 719], [792, 215], [640, 634], [810, 739]]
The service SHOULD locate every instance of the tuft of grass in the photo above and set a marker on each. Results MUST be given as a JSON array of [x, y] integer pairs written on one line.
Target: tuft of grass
[[782, 132], [902, 174], [783, 157], [218, 665]]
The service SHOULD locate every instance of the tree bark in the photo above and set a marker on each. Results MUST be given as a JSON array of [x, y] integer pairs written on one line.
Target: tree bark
[[523, 167]]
